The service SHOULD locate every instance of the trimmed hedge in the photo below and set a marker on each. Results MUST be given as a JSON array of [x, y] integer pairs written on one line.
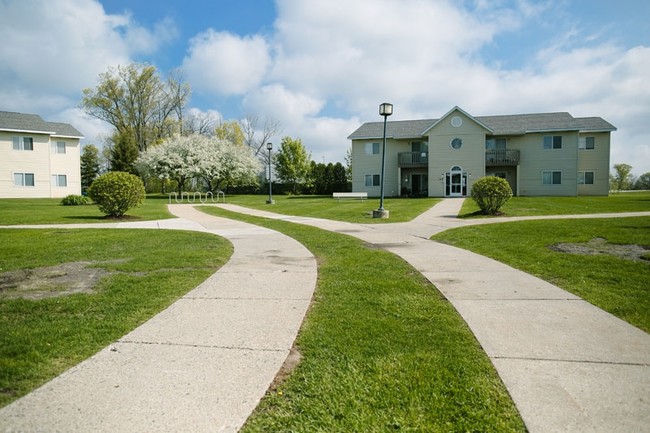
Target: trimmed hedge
[[74, 200], [116, 192], [490, 194]]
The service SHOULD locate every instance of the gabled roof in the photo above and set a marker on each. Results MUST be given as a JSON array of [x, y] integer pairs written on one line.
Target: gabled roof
[[514, 124], [32, 123], [457, 108]]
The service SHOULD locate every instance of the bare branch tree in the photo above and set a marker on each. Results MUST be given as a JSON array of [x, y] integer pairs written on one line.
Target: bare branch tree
[[198, 122], [257, 132]]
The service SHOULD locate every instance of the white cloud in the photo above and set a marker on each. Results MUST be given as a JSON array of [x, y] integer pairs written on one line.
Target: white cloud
[[282, 104], [51, 49], [427, 56], [94, 130], [226, 64]]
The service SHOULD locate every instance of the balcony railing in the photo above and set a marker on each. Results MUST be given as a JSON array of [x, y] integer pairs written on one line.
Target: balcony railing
[[501, 157], [413, 159]]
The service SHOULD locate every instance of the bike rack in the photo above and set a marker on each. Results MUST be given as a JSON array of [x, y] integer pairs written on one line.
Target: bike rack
[[192, 196]]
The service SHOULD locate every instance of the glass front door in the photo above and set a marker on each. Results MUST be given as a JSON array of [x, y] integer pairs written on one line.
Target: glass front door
[[455, 182]]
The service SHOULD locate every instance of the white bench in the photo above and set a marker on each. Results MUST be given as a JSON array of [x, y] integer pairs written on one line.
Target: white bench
[[360, 195]]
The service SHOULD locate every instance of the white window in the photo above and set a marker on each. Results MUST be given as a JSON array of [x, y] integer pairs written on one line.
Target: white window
[[588, 143], [553, 142], [372, 180], [59, 180], [58, 147], [586, 177], [24, 179], [372, 148], [23, 143], [551, 177]]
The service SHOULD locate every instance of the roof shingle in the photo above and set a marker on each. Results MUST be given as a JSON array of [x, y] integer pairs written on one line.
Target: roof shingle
[[10, 121], [514, 124]]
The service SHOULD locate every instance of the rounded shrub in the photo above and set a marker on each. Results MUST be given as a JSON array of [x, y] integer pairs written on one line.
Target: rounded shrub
[[74, 200], [116, 192], [490, 194]]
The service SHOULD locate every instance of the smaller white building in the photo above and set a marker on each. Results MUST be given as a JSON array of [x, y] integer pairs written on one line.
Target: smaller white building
[[38, 159]]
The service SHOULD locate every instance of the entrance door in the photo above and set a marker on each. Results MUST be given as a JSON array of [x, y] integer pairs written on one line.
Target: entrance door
[[456, 182]]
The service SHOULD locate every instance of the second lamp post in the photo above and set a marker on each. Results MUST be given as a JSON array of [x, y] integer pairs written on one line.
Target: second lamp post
[[269, 147], [385, 109]]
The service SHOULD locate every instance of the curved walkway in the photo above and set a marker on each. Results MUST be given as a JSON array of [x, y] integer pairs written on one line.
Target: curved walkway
[[203, 364], [569, 366]]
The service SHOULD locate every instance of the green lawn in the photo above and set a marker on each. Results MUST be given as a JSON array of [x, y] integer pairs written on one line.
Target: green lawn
[[39, 339], [350, 210], [524, 206], [49, 211], [382, 350], [617, 285]]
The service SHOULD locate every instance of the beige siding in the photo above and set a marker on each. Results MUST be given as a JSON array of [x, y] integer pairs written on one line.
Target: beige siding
[[370, 164], [42, 163], [67, 164], [526, 179], [596, 160], [535, 159], [470, 157]]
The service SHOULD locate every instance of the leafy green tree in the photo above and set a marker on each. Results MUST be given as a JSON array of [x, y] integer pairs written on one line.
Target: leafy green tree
[[89, 166], [124, 153], [340, 182], [490, 194], [136, 101], [231, 131], [317, 183], [292, 163], [621, 178], [116, 192], [643, 182]]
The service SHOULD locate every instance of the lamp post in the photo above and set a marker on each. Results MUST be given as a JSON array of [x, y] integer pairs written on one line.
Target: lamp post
[[269, 147], [385, 109]]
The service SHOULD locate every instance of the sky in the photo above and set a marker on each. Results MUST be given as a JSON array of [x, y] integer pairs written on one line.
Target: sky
[[322, 67]]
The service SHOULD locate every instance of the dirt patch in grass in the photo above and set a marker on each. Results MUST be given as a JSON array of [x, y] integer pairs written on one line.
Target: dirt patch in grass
[[51, 281], [598, 246]]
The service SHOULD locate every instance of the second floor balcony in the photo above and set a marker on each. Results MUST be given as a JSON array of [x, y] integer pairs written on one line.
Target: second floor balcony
[[412, 159], [501, 157]]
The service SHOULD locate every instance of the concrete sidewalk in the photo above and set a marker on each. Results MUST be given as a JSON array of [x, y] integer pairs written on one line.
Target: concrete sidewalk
[[569, 366], [203, 364]]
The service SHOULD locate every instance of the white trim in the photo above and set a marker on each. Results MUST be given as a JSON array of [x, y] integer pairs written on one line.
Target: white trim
[[27, 131], [457, 108]]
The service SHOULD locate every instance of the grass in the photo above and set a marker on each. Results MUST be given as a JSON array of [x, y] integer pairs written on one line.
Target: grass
[[39, 339], [15, 211], [382, 351], [525, 206], [616, 285], [349, 210]]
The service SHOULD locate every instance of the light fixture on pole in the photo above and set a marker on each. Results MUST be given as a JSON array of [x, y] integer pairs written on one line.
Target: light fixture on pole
[[269, 147], [385, 109]]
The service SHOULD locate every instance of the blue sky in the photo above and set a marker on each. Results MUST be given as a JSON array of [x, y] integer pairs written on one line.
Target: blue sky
[[321, 67]]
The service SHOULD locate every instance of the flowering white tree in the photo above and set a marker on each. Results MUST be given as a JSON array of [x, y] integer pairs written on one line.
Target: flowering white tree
[[221, 163], [172, 159], [218, 162]]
